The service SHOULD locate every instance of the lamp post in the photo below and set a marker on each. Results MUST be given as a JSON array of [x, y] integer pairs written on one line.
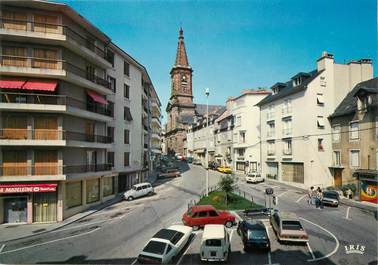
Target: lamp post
[[207, 93]]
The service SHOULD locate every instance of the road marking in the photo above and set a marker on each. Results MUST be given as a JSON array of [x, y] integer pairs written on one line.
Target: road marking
[[347, 213], [232, 232], [135, 261], [2, 247], [49, 242], [281, 194], [334, 237], [269, 258], [237, 216], [310, 250], [186, 250], [297, 201]]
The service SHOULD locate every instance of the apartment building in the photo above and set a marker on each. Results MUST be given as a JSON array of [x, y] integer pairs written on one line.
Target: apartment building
[[246, 131], [355, 140], [70, 102], [296, 135], [156, 131]]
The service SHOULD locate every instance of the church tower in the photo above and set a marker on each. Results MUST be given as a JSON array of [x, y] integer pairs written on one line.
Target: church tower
[[180, 109]]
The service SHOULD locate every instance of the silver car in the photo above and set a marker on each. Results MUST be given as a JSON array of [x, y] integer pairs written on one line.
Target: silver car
[[331, 198]]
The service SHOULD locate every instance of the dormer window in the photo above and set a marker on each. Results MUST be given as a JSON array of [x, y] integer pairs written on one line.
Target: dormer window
[[297, 81], [363, 103]]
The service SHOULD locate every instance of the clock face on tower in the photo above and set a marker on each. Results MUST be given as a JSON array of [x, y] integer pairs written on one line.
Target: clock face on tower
[[184, 83]]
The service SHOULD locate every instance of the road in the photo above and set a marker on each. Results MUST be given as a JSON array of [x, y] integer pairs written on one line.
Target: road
[[117, 233]]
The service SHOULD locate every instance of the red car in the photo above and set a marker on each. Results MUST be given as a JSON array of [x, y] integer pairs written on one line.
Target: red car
[[200, 215]]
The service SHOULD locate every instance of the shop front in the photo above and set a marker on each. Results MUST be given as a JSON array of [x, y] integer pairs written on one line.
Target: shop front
[[367, 185], [28, 203]]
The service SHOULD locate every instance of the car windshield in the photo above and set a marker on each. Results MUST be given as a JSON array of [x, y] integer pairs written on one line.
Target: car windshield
[[257, 234], [155, 247], [134, 188], [330, 195], [291, 225], [213, 242]]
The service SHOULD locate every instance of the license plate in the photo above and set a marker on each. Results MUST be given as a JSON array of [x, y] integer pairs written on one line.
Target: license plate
[[213, 253]]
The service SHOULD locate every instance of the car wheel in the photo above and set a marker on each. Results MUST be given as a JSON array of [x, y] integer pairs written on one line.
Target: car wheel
[[150, 193], [195, 227], [228, 224], [130, 198]]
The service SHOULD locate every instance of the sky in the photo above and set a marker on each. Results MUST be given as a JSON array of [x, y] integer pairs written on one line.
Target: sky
[[235, 45]]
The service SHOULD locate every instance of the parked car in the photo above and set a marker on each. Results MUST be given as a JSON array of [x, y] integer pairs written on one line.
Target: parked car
[[164, 246], [179, 156], [213, 165], [189, 159], [288, 227], [200, 215], [197, 162], [138, 190], [215, 243], [254, 177], [331, 198], [224, 169], [170, 173], [253, 235]]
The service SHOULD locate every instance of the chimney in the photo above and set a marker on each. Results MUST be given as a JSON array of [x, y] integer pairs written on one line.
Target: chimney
[[324, 60], [229, 103]]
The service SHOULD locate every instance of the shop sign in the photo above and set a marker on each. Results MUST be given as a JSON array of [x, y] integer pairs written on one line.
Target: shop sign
[[368, 191], [25, 188]]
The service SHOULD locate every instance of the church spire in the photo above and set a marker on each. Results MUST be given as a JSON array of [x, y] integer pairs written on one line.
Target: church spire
[[181, 57]]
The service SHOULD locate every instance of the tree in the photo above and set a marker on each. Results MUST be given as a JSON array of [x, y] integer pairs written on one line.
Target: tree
[[226, 185]]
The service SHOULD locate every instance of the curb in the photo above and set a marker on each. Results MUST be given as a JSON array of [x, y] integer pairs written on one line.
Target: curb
[[105, 204], [369, 208]]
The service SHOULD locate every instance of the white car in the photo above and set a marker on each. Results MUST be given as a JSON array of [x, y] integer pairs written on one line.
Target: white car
[[139, 190], [164, 246], [254, 178], [215, 244]]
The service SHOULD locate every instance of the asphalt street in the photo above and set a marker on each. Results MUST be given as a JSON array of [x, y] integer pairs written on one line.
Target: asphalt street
[[118, 233]]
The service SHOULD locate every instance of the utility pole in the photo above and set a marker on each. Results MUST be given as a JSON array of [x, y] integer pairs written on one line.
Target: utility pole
[[207, 93]]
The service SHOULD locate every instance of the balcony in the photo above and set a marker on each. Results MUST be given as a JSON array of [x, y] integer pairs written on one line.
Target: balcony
[[271, 152], [270, 116], [287, 111], [55, 104], [56, 34], [75, 169], [53, 68], [287, 132]]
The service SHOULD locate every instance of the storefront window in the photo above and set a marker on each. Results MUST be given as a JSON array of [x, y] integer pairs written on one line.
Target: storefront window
[[73, 194], [93, 190], [108, 186]]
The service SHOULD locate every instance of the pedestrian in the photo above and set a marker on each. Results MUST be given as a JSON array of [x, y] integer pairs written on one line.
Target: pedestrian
[[319, 198], [310, 194]]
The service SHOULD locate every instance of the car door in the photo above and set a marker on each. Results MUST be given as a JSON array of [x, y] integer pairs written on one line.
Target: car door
[[214, 218], [202, 218], [144, 190], [139, 192]]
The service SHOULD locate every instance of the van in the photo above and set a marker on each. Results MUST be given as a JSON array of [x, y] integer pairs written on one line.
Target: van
[[139, 190], [215, 244]]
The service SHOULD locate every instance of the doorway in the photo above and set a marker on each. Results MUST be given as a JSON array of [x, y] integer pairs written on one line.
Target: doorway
[[15, 210], [338, 177], [44, 207]]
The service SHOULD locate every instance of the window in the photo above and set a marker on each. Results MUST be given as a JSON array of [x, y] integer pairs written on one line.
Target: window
[[270, 113], [93, 190], [376, 126], [336, 158], [126, 68], [46, 24], [287, 147], [320, 122], [112, 82], [111, 158], [320, 99], [126, 91], [242, 137], [238, 121], [14, 56], [287, 127], [14, 20], [253, 166], [336, 130], [271, 148], [169, 248], [126, 138], [127, 114], [111, 134], [271, 129], [241, 151], [354, 131], [44, 58], [213, 213], [126, 159], [286, 108], [110, 57], [73, 194], [354, 158], [320, 144], [108, 186], [202, 214]]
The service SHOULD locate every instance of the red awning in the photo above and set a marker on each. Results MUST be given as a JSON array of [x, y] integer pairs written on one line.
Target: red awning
[[26, 188], [40, 85], [11, 84], [96, 97]]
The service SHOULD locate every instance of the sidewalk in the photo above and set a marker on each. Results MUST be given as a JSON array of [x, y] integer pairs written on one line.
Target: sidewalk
[[10, 232]]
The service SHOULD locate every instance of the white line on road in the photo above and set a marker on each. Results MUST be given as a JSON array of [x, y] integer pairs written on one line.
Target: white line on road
[[297, 201], [283, 193], [186, 250], [135, 261], [49, 242], [2, 247], [310, 250], [334, 237], [269, 258], [347, 213]]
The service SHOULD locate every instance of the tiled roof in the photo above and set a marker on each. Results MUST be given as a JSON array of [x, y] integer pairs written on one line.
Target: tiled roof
[[349, 104], [213, 109], [289, 89]]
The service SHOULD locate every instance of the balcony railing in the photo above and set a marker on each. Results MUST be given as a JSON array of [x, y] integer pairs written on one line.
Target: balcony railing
[[52, 64], [51, 134], [25, 98], [22, 169], [30, 26], [73, 169], [286, 132]]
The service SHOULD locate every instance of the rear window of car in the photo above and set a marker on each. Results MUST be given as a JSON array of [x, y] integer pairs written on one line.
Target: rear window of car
[[257, 234], [291, 225], [155, 247], [213, 242], [330, 195]]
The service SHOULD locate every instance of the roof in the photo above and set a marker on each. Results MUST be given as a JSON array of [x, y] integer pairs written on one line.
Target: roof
[[170, 232], [213, 109], [349, 104], [289, 89], [253, 92], [141, 184], [224, 115], [253, 224], [198, 208], [213, 231], [181, 57]]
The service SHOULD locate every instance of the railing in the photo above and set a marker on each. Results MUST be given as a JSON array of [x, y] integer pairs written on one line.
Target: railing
[[25, 98], [286, 132], [24, 25], [52, 64], [13, 169], [72, 169], [76, 136]]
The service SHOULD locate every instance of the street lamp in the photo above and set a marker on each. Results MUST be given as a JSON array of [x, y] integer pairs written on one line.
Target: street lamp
[[207, 93]]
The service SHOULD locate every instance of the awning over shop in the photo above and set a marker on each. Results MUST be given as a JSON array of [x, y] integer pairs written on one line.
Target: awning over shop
[[26, 188], [29, 85], [96, 97]]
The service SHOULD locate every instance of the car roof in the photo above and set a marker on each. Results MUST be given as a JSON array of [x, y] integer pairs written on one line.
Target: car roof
[[254, 224], [167, 234], [141, 184], [199, 208], [213, 231], [287, 215], [330, 192], [181, 228]]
